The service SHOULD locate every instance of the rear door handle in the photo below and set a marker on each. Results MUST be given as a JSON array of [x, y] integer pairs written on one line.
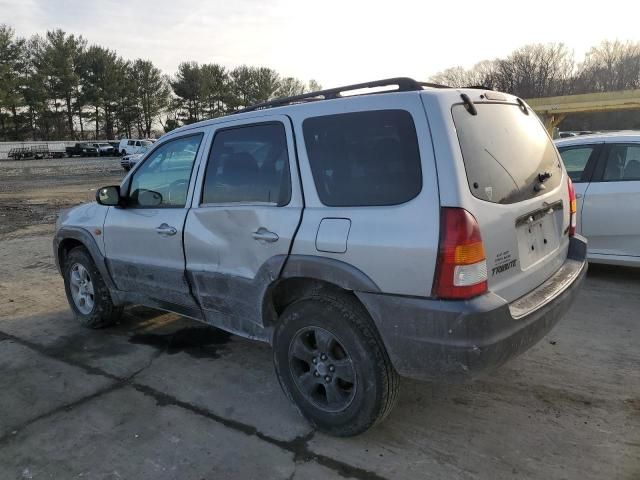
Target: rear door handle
[[579, 195], [166, 230], [264, 235]]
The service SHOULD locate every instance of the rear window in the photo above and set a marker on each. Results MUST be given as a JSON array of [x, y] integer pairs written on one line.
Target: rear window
[[364, 158], [504, 150]]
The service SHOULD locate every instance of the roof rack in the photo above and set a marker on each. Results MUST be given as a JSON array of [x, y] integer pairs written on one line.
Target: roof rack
[[479, 87], [404, 84]]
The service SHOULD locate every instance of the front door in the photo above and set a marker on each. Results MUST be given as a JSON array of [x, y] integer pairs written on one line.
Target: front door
[[612, 203], [143, 240], [243, 219]]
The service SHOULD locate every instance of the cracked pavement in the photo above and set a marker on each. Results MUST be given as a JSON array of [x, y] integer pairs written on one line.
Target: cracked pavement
[[163, 397]]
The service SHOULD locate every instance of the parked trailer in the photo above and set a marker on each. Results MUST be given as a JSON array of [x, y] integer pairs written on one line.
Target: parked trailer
[[40, 151], [20, 153]]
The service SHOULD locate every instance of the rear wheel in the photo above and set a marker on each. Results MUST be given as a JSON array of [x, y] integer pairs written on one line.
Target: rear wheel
[[86, 291], [332, 364]]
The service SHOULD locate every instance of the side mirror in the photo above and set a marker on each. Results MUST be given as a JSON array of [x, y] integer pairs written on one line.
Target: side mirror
[[109, 196]]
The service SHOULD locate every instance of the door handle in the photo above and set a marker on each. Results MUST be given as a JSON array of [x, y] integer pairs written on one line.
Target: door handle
[[579, 195], [264, 235], [166, 230]]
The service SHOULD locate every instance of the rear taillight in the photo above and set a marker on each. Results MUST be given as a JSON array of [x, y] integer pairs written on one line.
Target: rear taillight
[[573, 209], [461, 271]]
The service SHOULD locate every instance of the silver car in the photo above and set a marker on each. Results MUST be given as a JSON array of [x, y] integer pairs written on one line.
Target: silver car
[[425, 232], [605, 170], [129, 161]]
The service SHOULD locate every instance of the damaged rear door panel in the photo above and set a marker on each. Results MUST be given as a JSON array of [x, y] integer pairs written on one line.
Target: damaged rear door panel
[[244, 215]]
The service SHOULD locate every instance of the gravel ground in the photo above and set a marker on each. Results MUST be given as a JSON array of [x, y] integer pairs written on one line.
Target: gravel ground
[[162, 397]]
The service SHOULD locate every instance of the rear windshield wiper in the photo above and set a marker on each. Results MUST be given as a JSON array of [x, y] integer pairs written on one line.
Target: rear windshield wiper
[[471, 108]]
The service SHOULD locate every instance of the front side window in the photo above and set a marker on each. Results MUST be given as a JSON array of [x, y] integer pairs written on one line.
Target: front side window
[[249, 164], [130, 142], [575, 160], [364, 158], [163, 179], [623, 163]]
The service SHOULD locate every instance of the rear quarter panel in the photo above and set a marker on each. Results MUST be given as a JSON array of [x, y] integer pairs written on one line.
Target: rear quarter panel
[[395, 246]]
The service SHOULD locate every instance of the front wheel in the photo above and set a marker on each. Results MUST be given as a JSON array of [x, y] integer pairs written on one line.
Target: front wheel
[[331, 363], [88, 295]]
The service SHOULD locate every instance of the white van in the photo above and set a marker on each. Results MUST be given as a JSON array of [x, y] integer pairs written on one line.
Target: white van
[[130, 145]]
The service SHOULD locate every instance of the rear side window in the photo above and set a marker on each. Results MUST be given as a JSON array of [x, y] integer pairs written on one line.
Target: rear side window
[[623, 163], [364, 158], [504, 152], [576, 159], [249, 164]]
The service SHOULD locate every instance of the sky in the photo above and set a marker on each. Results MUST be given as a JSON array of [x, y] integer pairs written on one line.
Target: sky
[[333, 42]]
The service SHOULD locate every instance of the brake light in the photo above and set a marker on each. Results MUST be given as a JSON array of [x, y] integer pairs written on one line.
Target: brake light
[[573, 208], [461, 270]]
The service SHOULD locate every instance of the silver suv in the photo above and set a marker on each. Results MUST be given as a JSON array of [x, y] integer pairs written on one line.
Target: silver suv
[[426, 232]]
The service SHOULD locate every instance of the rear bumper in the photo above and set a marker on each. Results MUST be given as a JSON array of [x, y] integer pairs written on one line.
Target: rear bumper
[[450, 340]]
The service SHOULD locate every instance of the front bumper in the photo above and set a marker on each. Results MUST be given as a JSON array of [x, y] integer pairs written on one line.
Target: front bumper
[[440, 340]]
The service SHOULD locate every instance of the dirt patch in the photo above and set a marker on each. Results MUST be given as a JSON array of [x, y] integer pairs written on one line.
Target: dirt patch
[[33, 193], [633, 404], [17, 213]]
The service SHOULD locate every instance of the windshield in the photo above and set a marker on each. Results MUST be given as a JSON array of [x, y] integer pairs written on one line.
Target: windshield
[[146, 143], [504, 152]]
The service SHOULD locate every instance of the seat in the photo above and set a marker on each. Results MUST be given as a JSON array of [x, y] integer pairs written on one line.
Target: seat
[[632, 170], [240, 169], [613, 169]]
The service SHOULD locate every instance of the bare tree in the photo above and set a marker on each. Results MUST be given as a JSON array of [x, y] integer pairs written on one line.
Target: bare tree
[[610, 66]]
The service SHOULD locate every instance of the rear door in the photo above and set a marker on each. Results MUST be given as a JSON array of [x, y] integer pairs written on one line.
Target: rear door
[[513, 182], [612, 203], [243, 218]]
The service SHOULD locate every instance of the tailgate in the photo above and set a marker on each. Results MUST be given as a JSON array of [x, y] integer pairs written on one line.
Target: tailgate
[[519, 194]]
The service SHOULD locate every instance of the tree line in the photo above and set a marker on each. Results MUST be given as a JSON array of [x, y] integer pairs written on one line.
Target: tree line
[[57, 87], [546, 70]]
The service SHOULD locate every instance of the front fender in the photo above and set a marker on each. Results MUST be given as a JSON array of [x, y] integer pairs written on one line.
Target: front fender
[[67, 236]]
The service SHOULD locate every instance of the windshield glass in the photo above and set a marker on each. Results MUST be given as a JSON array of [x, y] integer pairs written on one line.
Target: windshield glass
[[146, 143], [504, 152]]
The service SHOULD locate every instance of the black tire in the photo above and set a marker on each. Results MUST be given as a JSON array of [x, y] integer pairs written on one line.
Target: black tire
[[103, 312], [355, 339], [123, 152]]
